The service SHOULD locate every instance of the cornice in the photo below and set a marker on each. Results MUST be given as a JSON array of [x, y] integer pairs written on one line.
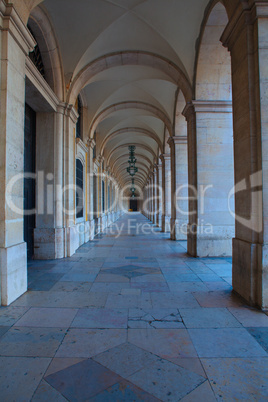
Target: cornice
[[11, 22], [212, 106], [42, 86]]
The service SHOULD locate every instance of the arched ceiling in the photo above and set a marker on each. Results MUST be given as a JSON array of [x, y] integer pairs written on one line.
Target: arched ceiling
[[127, 58]]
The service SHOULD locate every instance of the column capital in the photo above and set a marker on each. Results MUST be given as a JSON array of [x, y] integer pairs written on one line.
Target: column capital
[[212, 106], [241, 18], [164, 157], [188, 111], [177, 140], [80, 145], [12, 22], [71, 113], [91, 143]]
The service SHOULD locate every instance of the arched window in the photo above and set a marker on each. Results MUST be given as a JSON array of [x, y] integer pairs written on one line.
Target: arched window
[[94, 149], [36, 57], [79, 121], [103, 196], [79, 189]]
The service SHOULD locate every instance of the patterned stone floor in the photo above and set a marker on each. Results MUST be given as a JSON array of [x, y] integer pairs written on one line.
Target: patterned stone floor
[[132, 318]]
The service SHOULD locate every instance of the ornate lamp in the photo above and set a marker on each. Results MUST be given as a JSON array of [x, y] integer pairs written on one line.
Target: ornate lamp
[[132, 170]]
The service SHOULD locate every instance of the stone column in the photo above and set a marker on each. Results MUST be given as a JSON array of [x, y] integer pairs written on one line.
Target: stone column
[[100, 204], [189, 113], [163, 198], [144, 201], [159, 196], [215, 177], [49, 228], [69, 148], [147, 199], [179, 188], [155, 209], [90, 186], [166, 181], [152, 197], [246, 38], [16, 42]]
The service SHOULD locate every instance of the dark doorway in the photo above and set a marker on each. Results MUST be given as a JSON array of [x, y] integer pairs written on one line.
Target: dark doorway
[[133, 204], [29, 183], [95, 202]]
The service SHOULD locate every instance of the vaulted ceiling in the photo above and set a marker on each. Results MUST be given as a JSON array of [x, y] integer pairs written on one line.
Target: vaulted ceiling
[[132, 102]]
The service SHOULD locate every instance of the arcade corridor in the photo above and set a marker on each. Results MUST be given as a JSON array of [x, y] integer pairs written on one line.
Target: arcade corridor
[[132, 318]]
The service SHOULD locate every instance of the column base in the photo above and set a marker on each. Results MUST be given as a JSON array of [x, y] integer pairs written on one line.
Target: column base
[[73, 240], [89, 230], [177, 231], [13, 265], [163, 223], [250, 272], [210, 244], [207, 247], [48, 243], [98, 225], [167, 224]]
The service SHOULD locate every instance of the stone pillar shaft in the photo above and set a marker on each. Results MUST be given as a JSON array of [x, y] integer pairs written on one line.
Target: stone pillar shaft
[[246, 39], [179, 179]]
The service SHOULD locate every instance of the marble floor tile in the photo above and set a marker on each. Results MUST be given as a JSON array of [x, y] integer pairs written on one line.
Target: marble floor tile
[[62, 299], [83, 380], [151, 286], [47, 318], [221, 269], [89, 342], [166, 343], [10, 315], [78, 277], [72, 287], [215, 286], [132, 318], [3, 330], [20, 376], [101, 318], [209, 278], [225, 342], [187, 287], [38, 285], [129, 301], [166, 381], [31, 342], [220, 298], [46, 392], [237, 379], [124, 391], [250, 317], [173, 300], [126, 359], [173, 278], [158, 318], [109, 287], [208, 318], [203, 392], [103, 277], [61, 363], [155, 277], [261, 336]]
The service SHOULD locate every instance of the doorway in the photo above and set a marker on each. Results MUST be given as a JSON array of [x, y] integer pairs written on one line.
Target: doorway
[[133, 204], [29, 182]]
